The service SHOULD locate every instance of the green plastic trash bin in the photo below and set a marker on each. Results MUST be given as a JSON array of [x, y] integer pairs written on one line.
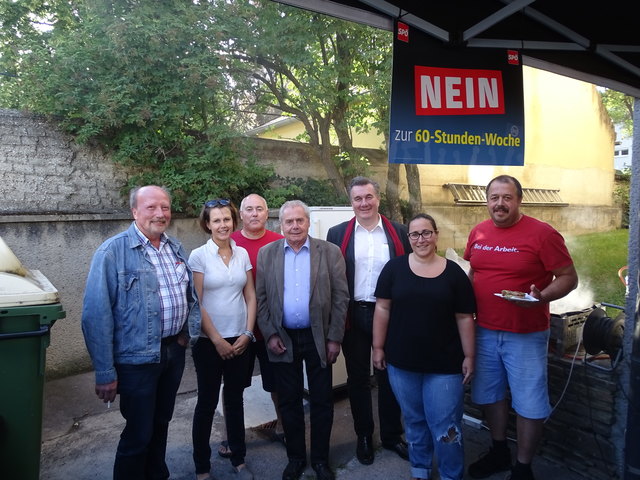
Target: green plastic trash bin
[[28, 308]]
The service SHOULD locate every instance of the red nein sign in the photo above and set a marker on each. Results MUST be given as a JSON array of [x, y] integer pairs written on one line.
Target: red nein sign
[[458, 91]]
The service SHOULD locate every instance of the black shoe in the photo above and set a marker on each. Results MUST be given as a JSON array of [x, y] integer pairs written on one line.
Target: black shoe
[[521, 472], [494, 461], [294, 469], [400, 447], [364, 450], [323, 472]]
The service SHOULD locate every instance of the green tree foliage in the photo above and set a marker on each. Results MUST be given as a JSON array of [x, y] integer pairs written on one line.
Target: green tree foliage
[[622, 194], [25, 26], [320, 69], [620, 108], [142, 79], [163, 85]]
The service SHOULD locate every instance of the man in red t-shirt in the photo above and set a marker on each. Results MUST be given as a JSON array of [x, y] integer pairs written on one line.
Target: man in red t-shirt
[[512, 251], [254, 235]]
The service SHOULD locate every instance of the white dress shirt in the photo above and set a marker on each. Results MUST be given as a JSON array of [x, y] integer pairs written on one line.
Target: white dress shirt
[[371, 249]]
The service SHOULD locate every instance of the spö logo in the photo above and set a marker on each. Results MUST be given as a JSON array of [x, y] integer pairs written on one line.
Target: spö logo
[[403, 32]]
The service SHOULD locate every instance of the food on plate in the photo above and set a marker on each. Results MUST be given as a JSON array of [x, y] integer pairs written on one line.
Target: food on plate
[[513, 294]]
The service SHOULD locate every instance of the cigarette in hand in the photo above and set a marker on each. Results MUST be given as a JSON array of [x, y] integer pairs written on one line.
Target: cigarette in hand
[[109, 404]]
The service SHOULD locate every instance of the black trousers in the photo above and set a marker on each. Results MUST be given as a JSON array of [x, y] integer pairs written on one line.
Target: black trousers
[[290, 388], [210, 371], [356, 347]]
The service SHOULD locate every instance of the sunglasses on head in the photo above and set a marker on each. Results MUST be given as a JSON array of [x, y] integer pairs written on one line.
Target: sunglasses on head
[[218, 202]]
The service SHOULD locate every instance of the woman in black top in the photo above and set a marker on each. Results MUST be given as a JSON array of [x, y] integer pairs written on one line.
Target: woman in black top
[[424, 334]]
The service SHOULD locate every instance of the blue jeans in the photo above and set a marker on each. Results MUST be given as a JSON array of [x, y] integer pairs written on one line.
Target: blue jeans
[[516, 360], [432, 410], [147, 398]]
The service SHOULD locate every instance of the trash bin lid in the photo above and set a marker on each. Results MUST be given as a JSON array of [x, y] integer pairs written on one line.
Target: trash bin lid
[[32, 289], [20, 286], [9, 262]]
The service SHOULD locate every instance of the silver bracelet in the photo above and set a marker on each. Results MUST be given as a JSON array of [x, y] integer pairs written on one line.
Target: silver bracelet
[[249, 334]]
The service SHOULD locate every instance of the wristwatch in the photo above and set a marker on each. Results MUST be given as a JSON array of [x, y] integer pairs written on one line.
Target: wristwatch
[[249, 334]]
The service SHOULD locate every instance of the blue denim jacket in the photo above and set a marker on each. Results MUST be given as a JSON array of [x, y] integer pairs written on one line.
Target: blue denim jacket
[[121, 309]]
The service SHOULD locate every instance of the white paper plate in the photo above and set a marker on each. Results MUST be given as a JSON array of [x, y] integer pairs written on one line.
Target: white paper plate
[[527, 298]]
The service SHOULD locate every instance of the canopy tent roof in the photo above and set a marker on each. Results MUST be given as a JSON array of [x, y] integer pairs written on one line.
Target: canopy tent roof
[[569, 37], [596, 42]]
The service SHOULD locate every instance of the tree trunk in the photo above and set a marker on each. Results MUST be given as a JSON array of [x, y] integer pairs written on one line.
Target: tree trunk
[[415, 191], [393, 198], [333, 173], [354, 165]]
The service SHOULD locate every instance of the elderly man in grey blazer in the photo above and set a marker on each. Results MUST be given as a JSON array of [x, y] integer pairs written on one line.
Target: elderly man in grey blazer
[[303, 296]]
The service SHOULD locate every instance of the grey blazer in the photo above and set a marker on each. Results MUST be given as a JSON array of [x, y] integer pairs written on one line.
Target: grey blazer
[[327, 304]]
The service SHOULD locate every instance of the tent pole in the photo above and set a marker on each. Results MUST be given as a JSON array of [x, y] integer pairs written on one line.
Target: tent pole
[[632, 320]]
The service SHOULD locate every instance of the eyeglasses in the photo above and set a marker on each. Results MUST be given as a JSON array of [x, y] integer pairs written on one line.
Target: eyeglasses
[[426, 234], [218, 202]]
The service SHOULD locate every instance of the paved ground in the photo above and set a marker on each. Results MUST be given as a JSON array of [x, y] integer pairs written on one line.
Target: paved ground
[[80, 436]]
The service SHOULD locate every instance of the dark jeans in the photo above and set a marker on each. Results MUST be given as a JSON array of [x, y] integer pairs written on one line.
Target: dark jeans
[[147, 397], [210, 369], [290, 389], [356, 347]]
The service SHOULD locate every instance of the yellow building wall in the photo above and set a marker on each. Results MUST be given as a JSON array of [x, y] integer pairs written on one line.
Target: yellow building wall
[[293, 131], [290, 132], [569, 144]]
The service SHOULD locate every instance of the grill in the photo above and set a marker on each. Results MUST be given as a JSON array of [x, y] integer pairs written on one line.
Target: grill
[[566, 330]]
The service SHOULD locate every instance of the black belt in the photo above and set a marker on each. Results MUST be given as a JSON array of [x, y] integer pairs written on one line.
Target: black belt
[[170, 340], [363, 304]]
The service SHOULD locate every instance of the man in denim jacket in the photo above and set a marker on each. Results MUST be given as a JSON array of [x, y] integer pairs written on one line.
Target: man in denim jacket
[[139, 314]]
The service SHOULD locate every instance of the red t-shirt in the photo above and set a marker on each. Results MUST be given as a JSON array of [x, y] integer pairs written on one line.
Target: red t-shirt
[[513, 258], [252, 246]]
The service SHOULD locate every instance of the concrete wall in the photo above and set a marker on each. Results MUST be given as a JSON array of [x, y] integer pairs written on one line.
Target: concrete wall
[[455, 222], [61, 247]]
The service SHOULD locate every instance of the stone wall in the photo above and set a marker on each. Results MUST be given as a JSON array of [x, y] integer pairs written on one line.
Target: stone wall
[[44, 171], [581, 432]]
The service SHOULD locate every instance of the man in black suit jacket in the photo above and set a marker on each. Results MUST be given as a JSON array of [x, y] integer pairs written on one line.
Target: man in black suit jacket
[[367, 242]]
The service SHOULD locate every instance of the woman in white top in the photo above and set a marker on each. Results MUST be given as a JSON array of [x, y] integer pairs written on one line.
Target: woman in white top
[[224, 284]]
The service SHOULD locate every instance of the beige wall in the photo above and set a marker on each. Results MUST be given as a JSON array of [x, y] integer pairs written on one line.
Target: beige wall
[[569, 143]]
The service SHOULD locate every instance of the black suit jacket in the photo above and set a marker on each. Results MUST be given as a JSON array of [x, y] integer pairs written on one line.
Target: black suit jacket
[[336, 234]]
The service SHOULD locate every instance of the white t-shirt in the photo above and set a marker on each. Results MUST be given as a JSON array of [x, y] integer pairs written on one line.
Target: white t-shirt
[[222, 288]]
